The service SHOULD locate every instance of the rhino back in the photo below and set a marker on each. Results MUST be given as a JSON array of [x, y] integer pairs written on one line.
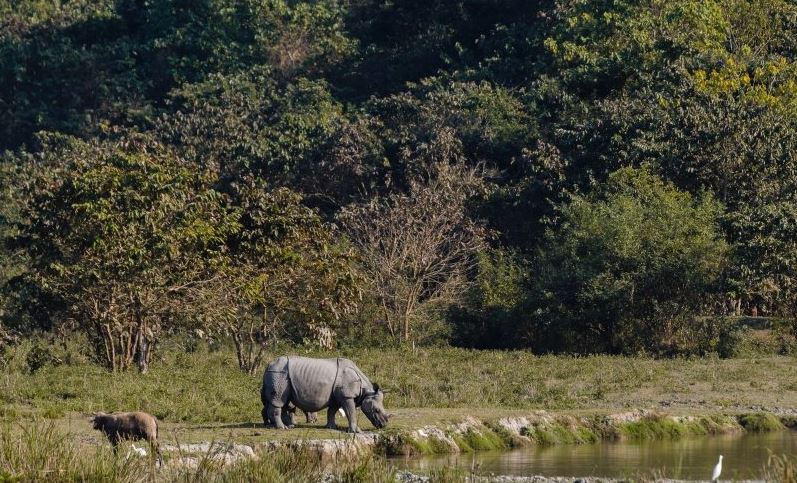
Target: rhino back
[[312, 381]]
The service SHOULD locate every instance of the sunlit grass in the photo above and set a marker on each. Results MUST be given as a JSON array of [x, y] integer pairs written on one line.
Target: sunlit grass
[[206, 386], [39, 451]]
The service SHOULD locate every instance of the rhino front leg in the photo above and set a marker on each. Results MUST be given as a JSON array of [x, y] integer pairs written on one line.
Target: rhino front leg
[[331, 412], [275, 415], [351, 414]]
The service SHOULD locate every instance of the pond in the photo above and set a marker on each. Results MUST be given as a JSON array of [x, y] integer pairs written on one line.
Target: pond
[[744, 457]]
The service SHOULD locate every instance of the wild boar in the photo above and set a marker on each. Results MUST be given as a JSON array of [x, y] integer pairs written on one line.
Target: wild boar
[[132, 426]]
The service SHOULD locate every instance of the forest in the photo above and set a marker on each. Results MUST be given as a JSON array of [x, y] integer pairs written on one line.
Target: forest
[[561, 176]]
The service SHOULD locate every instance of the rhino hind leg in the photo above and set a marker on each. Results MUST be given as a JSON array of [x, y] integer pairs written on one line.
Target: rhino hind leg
[[264, 414]]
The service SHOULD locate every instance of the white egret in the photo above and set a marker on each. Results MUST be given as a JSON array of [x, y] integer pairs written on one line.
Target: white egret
[[136, 451], [717, 470]]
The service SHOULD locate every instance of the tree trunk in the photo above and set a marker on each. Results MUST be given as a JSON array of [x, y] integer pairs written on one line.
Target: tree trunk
[[239, 351], [142, 357], [143, 346]]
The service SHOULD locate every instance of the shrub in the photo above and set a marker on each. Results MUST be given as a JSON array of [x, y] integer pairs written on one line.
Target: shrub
[[760, 422], [630, 266]]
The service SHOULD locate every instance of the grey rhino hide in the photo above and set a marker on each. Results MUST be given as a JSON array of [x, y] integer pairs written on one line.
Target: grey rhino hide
[[289, 417], [314, 384]]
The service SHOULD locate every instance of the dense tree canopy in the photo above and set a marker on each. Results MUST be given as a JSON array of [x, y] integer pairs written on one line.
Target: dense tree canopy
[[628, 265], [621, 148], [115, 232]]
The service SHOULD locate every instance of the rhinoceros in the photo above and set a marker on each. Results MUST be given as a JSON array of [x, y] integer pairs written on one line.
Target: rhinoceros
[[314, 384], [289, 416]]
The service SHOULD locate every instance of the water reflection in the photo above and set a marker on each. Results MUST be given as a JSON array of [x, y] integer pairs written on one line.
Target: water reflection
[[745, 456]]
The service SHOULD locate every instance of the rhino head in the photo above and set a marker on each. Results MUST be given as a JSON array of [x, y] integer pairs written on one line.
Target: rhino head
[[96, 419], [374, 409]]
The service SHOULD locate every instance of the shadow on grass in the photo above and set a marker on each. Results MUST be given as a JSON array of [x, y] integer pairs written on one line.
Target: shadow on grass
[[245, 425], [259, 425]]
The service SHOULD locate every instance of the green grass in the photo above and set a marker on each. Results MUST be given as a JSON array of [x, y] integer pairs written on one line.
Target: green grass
[[483, 439], [663, 427], [39, 451], [207, 387], [760, 422], [200, 395], [654, 428], [557, 433]]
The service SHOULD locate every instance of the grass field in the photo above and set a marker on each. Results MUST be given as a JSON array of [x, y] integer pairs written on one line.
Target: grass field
[[203, 387], [200, 395], [43, 452]]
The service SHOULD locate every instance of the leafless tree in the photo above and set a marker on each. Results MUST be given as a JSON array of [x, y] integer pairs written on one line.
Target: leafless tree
[[290, 52], [416, 248]]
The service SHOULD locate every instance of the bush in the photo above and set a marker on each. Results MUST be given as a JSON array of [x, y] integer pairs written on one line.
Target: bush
[[494, 305], [760, 422], [40, 356], [737, 339], [630, 267]]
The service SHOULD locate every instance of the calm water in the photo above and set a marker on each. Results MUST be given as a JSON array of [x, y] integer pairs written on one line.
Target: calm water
[[745, 455]]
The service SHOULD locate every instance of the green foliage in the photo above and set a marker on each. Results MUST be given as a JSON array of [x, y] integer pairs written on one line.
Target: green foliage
[[556, 433], [289, 134], [249, 123], [693, 88], [12, 260], [495, 302], [444, 122], [629, 265], [336, 105], [40, 356], [760, 422], [409, 41], [83, 66], [115, 230], [654, 428], [283, 276], [664, 427], [483, 439]]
